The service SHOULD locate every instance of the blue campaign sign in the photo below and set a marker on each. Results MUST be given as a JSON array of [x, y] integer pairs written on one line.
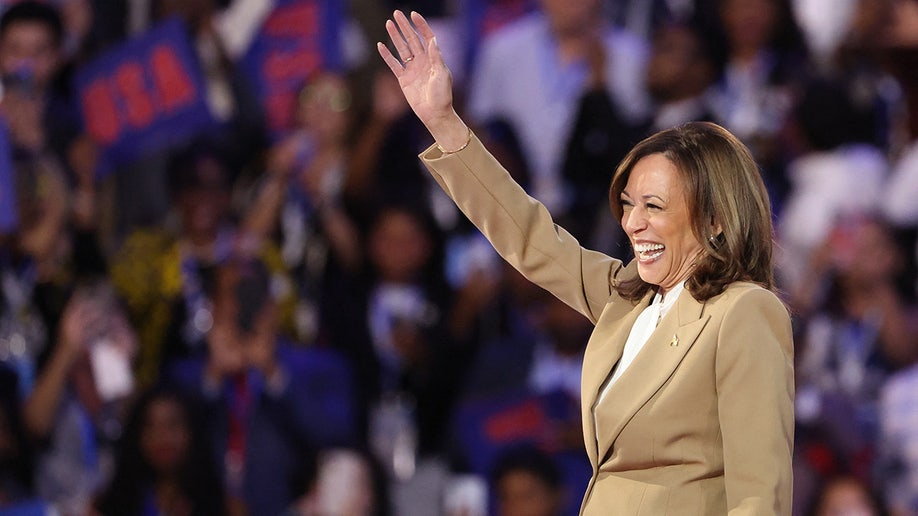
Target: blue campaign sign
[[298, 39], [145, 95], [9, 217], [489, 426]]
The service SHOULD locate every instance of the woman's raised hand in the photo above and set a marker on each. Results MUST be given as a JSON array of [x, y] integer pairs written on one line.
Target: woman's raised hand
[[424, 78]]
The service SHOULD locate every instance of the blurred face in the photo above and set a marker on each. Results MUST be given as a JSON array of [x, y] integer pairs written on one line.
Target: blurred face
[[165, 437], [846, 498], [399, 247], [344, 485], [521, 493], [749, 23], [324, 106], [203, 206], [29, 47], [657, 220], [674, 59], [570, 16], [569, 330], [864, 251]]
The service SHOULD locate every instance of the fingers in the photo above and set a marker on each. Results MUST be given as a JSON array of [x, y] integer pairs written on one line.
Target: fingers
[[390, 59], [411, 37], [423, 28], [398, 41]]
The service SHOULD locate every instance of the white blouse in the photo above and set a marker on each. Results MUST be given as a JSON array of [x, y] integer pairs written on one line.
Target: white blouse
[[643, 328]]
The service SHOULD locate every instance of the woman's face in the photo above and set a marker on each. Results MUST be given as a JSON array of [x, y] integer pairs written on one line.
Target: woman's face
[[165, 437], [846, 498], [399, 246], [521, 493], [203, 207], [655, 216], [323, 108], [749, 23]]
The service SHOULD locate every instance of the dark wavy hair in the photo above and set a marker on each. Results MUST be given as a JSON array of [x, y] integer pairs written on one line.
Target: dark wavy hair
[[725, 190], [199, 479]]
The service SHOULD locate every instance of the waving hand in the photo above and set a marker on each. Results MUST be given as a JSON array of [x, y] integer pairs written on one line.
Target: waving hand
[[424, 78]]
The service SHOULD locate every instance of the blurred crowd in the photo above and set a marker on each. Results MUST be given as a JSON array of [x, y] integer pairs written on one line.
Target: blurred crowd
[[301, 323]]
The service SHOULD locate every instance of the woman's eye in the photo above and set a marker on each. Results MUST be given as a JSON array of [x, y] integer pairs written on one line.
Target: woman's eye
[[653, 207], [625, 204]]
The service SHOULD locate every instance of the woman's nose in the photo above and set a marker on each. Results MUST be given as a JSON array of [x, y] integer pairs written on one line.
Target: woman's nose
[[633, 221]]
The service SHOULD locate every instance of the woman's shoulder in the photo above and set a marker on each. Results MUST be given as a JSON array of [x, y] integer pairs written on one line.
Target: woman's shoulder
[[747, 294]]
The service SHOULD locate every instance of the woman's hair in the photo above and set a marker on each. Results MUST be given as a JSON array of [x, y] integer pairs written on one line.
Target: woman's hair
[[134, 476], [724, 189]]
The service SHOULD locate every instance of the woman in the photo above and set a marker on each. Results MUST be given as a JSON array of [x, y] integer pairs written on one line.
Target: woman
[[164, 465], [687, 390]]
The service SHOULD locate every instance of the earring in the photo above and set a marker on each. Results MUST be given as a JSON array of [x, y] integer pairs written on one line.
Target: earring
[[711, 238]]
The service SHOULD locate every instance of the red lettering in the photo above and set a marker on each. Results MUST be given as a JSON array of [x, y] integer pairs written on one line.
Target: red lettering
[[101, 112], [296, 20], [172, 81], [279, 110], [518, 422], [132, 87], [294, 65]]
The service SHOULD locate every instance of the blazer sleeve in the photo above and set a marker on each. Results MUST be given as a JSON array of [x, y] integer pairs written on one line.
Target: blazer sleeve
[[755, 397], [521, 229]]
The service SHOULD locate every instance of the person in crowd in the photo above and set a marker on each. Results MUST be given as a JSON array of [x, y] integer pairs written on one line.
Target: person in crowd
[[165, 274], [345, 481], [690, 332], [897, 207], [829, 143], [36, 104], [163, 464], [850, 47], [680, 69], [301, 200], [267, 403], [49, 243], [526, 481], [393, 325], [16, 461], [898, 460], [862, 329], [533, 360], [383, 168], [549, 52], [847, 496], [538, 346], [142, 194], [74, 410], [764, 59]]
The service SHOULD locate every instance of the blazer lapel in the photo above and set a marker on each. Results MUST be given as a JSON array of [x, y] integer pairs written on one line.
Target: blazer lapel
[[602, 353], [654, 364]]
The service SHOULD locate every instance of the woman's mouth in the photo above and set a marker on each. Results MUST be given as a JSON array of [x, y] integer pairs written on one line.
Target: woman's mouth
[[648, 252]]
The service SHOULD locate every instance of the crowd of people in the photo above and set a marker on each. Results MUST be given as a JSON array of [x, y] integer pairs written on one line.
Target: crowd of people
[[300, 322]]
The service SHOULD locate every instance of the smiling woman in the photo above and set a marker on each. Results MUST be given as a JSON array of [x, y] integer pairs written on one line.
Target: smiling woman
[[706, 187], [687, 385]]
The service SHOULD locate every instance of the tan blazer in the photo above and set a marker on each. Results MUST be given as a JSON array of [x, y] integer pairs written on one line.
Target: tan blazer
[[702, 420]]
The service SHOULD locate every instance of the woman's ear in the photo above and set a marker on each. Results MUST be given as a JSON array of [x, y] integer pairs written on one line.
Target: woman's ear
[[716, 228]]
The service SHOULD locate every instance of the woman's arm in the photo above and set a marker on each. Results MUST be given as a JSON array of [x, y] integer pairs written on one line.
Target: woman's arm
[[425, 80], [755, 401], [519, 227]]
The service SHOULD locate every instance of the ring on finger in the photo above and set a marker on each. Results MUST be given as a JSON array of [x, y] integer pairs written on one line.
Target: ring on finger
[[409, 59]]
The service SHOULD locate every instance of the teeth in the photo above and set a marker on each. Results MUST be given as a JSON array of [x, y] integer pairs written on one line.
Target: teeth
[[647, 248]]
